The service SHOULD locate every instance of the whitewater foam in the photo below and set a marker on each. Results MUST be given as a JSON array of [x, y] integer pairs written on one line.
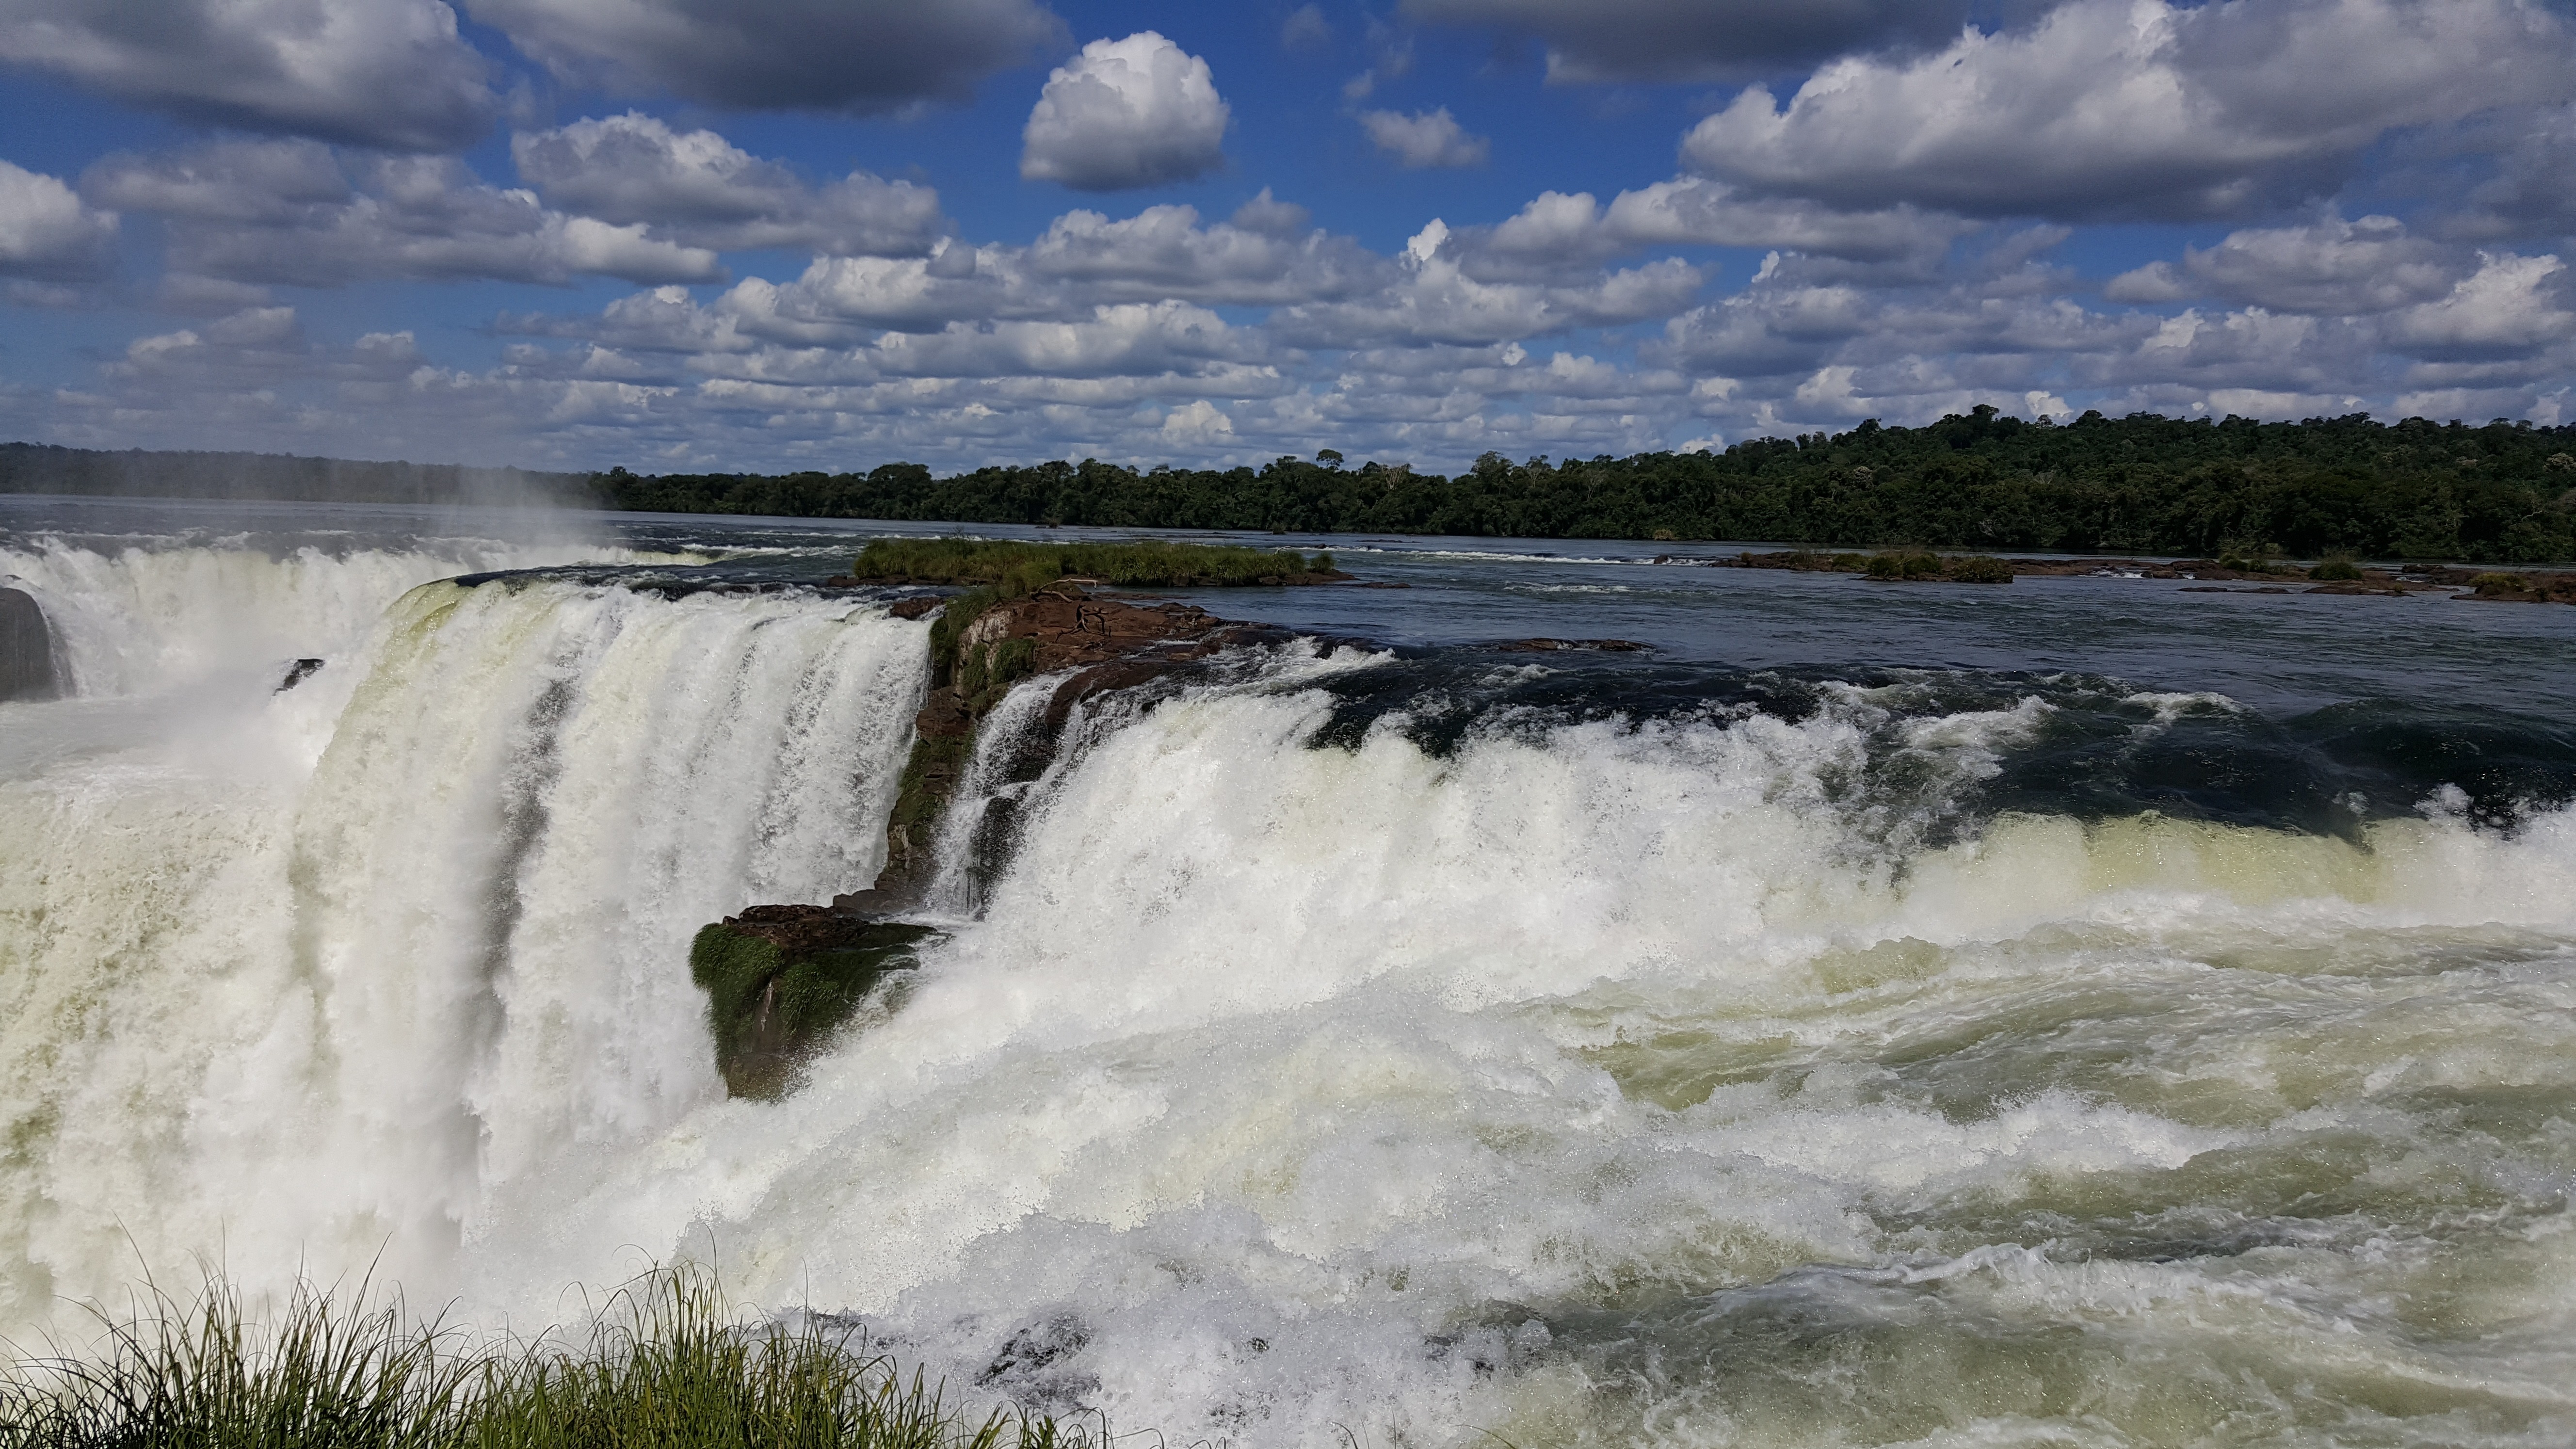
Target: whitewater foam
[[324, 1006], [1574, 1081], [1351, 1054], [149, 617]]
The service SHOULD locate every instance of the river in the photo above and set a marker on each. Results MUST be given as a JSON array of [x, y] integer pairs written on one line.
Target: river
[[2079, 1012]]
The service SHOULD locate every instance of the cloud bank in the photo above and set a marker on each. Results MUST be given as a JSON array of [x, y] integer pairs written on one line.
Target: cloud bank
[[2325, 206]]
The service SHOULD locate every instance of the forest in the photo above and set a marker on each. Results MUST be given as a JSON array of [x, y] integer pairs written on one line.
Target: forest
[[2498, 493], [2502, 492]]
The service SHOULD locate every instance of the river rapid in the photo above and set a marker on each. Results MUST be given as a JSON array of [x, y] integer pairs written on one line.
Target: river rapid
[[2074, 1013]]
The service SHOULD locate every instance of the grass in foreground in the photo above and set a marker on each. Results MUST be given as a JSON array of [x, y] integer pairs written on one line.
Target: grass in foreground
[[1017, 568], [665, 1362]]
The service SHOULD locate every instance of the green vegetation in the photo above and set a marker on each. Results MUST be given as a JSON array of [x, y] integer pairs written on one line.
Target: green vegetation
[[988, 671], [1898, 566], [1003, 570], [2530, 588], [770, 1005], [1018, 568], [665, 1361], [2340, 568], [1980, 569], [929, 776], [2142, 484]]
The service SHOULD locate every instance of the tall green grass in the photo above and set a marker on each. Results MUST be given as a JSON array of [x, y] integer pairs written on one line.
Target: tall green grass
[[664, 1361], [1017, 568]]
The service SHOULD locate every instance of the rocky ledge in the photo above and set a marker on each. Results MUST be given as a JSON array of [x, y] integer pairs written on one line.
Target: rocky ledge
[[26, 648], [781, 980], [1105, 642]]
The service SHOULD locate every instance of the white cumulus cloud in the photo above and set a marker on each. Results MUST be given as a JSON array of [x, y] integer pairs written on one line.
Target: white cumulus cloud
[[1126, 113], [1197, 421], [696, 187], [1426, 138], [2510, 305], [47, 233]]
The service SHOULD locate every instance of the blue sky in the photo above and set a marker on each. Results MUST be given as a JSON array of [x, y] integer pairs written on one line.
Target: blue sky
[[760, 234]]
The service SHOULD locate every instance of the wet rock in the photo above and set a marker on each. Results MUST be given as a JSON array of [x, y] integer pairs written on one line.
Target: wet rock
[[916, 608], [1112, 643], [26, 649], [1033, 1367], [2534, 588], [296, 673], [781, 980], [1549, 646]]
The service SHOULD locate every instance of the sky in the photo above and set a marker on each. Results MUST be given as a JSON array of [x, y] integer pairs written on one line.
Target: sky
[[685, 235]]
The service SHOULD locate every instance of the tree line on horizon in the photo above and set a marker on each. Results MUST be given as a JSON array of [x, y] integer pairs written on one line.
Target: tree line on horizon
[[2502, 492]]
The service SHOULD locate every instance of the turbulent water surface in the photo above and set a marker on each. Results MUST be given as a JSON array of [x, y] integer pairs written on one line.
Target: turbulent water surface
[[2082, 1013]]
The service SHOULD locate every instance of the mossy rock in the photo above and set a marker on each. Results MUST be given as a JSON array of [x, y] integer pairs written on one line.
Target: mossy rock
[[779, 985]]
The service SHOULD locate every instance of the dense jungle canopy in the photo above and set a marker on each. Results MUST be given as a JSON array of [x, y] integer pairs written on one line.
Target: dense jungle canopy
[[2502, 492], [2141, 484]]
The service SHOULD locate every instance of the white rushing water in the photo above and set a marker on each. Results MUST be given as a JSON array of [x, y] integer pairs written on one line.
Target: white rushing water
[[335, 971], [1584, 1083]]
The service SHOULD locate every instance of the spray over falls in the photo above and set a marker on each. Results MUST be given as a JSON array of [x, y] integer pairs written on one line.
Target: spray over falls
[[1441, 1041]]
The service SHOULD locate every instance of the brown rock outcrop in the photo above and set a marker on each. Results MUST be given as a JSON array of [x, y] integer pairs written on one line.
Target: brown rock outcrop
[[1108, 642]]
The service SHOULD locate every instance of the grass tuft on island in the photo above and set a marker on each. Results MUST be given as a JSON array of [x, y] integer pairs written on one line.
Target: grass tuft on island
[[666, 1359], [1014, 569]]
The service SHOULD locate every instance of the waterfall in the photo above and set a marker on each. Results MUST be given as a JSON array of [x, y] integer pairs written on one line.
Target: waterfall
[[323, 1002]]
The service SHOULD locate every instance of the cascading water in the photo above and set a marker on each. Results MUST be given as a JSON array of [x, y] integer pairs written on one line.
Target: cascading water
[[1413, 1045], [1280, 1084], [327, 978]]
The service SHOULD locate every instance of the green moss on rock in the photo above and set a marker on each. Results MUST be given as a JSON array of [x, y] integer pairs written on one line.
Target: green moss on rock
[[781, 979]]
